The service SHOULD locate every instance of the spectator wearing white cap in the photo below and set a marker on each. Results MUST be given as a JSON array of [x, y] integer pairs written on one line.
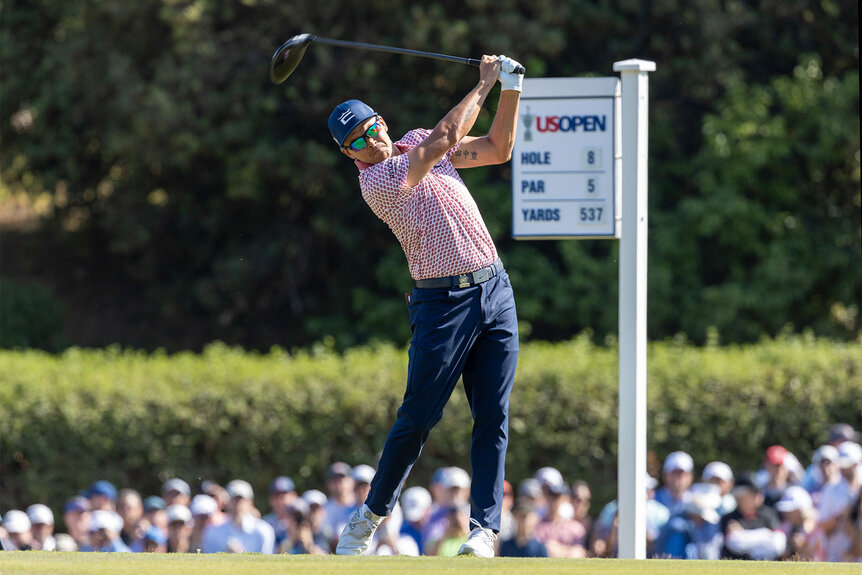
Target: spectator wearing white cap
[[822, 472], [105, 529], [341, 502], [695, 533], [677, 475], [203, 508], [798, 521], [282, 492], [42, 527], [362, 475], [243, 533], [455, 490], [720, 474], [316, 500], [562, 536], [18, 535], [301, 539], [180, 524], [837, 500], [131, 508], [416, 505], [176, 491]]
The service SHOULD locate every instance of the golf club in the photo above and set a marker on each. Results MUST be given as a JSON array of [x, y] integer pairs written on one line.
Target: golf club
[[287, 57]]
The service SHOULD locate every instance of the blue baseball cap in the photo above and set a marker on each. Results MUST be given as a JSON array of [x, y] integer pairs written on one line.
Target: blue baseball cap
[[347, 116], [281, 485], [154, 503], [103, 487], [156, 535]]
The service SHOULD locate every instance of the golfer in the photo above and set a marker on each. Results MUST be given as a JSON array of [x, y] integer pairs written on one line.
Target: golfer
[[462, 311]]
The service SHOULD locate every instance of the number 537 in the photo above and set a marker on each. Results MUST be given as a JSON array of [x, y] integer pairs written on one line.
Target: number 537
[[591, 214]]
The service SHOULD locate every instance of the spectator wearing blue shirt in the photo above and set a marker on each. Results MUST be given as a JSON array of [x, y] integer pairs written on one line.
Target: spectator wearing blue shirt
[[243, 532], [695, 533], [416, 504], [282, 492], [524, 542], [677, 475]]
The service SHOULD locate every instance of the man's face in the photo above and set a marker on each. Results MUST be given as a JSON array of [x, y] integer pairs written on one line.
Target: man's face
[[581, 498], [678, 480], [747, 501], [278, 502], [376, 149]]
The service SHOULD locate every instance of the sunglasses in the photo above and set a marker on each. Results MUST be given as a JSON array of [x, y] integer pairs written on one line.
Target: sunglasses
[[360, 143]]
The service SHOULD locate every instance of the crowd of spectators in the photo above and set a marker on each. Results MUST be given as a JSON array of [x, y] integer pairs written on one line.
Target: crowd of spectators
[[780, 511]]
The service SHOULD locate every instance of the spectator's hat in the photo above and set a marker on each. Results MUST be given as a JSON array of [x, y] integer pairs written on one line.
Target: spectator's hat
[[745, 482], [776, 454], [415, 502], [16, 521], [841, 432], [281, 484], [153, 503], [717, 470], [849, 454], [549, 476], [179, 513], [178, 485], [530, 487], [40, 514], [456, 477], [678, 460], [203, 504], [558, 489], [794, 498], [240, 488], [77, 503], [315, 497], [102, 519], [102, 487], [64, 542], [438, 475], [363, 473], [156, 535], [825, 453], [704, 500], [299, 506], [338, 469]]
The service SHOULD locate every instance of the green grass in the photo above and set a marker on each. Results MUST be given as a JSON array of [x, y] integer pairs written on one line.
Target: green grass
[[46, 563]]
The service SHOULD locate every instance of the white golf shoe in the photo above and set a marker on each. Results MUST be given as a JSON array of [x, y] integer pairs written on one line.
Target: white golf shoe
[[480, 543], [357, 534]]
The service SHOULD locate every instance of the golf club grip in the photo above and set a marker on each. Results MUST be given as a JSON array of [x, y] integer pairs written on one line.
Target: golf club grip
[[475, 63]]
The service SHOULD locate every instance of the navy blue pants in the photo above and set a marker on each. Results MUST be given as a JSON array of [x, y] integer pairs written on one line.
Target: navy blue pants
[[463, 331]]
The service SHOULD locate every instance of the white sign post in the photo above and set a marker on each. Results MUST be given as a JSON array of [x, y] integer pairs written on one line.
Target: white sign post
[[631, 457], [579, 170]]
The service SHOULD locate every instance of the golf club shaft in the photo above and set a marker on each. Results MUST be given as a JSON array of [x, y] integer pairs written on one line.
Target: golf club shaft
[[361, 45]]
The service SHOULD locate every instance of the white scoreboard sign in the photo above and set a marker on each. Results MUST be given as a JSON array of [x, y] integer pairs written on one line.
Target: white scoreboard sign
[[565, 164]]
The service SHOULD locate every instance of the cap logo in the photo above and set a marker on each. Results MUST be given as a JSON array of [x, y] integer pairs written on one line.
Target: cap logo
[[345, 117]]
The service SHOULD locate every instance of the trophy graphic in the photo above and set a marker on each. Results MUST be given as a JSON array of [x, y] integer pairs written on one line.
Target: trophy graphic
[[528, 122]]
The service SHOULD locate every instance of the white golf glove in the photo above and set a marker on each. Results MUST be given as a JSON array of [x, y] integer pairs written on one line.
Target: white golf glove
[[508, 79]]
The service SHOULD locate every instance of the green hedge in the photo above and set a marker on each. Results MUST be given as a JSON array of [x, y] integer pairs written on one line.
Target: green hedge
[[138, 418]]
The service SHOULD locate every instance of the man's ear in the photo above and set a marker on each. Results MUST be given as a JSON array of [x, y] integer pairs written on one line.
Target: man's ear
[[347, 153]]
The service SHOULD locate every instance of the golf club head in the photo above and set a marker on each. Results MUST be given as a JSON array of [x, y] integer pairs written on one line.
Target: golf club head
[[287, 57]]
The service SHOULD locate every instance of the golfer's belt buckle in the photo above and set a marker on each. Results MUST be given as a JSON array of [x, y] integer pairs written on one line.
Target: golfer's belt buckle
[[482, 275], [463, 281]]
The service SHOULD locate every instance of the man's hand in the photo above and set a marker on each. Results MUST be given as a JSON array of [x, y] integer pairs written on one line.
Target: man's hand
[[489, 69], [509, 80]]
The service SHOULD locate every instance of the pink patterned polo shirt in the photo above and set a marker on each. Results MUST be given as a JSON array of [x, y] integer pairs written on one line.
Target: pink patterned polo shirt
[[437, 221]]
